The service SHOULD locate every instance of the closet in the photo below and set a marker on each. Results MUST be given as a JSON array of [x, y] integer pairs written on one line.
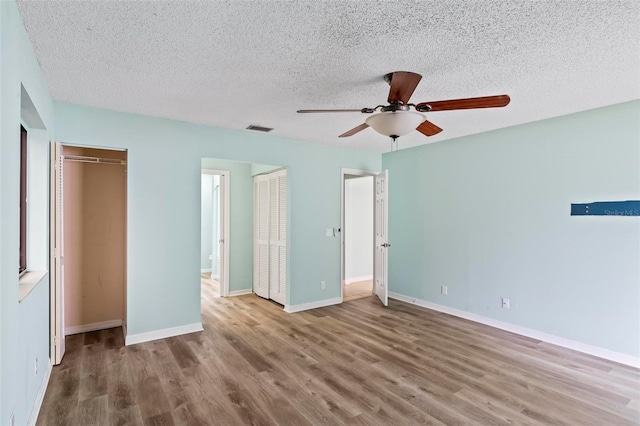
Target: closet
[[270, 236], [94, 238]]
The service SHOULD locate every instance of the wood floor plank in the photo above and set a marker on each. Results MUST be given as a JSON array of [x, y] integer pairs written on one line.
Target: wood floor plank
[[129, 416], [94, 411], [356, 364], [151, 398]]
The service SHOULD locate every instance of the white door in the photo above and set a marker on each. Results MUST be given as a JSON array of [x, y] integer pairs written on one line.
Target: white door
[[261, 236], [380, 259], [215, 228], [220, 255], [57, 256], [278, 236]]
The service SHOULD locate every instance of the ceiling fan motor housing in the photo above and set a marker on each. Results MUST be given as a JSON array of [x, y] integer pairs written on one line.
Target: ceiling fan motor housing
[[395, 106]]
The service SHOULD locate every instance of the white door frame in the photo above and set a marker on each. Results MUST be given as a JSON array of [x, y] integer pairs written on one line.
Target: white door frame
[[224, 226], [56, 309], [354, 172]]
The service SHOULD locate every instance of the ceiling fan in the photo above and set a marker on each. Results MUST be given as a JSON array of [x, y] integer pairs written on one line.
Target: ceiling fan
[[397, 119]]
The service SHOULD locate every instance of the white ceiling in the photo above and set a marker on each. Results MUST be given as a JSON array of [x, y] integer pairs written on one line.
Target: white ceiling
[[235, 63]]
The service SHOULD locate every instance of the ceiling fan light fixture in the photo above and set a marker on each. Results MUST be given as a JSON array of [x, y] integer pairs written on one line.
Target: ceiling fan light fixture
[[395, 123]]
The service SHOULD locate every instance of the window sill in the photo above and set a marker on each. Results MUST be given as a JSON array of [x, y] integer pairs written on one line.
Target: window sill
[[28, 281]]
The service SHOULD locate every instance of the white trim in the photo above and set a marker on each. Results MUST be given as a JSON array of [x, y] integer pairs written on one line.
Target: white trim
[[524, 331], [240, 292], [348, 281], [203, 271], [84, 328], [37, 405], [312, 305], [162, 334]]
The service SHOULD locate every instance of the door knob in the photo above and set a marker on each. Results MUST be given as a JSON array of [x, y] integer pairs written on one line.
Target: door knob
[[386, 245]]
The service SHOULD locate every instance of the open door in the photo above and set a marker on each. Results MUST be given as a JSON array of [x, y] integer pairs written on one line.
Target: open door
[[261, 236], [222, 265], [380, 218], [57, 256], [278, 236]]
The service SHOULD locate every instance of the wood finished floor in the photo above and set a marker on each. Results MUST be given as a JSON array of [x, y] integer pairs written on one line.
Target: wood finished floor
[[357, 290], [356, 364], [209, 285]]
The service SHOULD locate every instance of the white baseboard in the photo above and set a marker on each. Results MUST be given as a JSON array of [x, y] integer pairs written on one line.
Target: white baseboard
[[162, 334], [202, 271], [240, 292], [37, 405], [348, 281], [85, 328], [524, 331], [312, 305]]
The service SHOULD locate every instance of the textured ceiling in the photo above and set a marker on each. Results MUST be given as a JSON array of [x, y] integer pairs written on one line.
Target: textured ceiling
[[235, 63]]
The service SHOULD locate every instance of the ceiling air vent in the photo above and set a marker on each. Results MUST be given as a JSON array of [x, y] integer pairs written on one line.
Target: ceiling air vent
[[259, 128]]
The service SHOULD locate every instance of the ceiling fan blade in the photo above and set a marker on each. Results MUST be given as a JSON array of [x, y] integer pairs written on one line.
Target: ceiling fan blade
[[354, 130], [403, 83], [427, 128], [312, 111], [467, 103]]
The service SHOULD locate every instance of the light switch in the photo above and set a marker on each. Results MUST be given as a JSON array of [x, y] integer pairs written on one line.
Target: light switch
[[329, 232]]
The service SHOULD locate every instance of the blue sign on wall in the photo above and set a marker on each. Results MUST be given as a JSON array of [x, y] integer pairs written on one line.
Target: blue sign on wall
[[607, 208]]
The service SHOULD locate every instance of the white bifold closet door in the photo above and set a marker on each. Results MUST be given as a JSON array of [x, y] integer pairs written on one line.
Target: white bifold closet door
[[270, 236]]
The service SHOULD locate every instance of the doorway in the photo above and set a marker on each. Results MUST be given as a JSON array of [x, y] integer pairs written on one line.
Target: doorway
[[364, 239], [358, 237], [214, 233], [88, 238]]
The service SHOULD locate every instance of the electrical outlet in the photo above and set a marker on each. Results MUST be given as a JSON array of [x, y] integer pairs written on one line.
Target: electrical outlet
[[443, 289], [505, 303], [12, 419], [322, 285], [36, 366]]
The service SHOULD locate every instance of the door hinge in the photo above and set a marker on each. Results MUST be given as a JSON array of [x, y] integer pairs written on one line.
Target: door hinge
[[56, 341]]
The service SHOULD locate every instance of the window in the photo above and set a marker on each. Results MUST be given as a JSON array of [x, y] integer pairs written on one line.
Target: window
[[23, 200]]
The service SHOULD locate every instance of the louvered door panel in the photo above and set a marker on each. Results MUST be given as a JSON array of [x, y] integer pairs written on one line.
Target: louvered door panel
[[282, 236], [261, 236], [277, 237], [270, 236]]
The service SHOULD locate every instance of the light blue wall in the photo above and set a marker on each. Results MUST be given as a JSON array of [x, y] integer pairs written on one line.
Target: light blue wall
[[240, 221], [257, 169], [24, 326], [164, 164], [488, 216]]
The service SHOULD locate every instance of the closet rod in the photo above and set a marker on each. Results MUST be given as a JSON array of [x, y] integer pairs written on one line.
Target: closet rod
[[95, 160]]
